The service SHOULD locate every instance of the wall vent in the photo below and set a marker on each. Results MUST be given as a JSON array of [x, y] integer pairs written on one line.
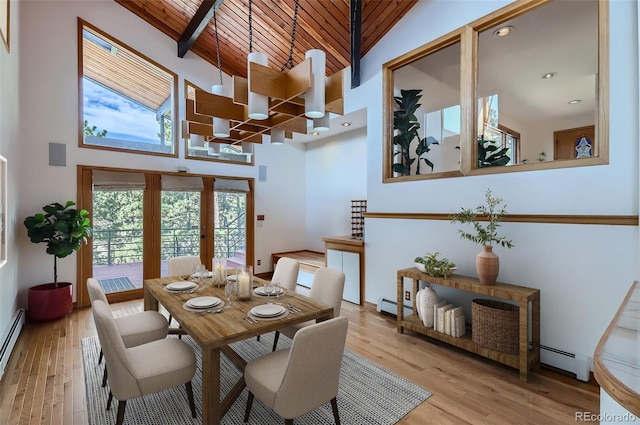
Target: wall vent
[[10, 338]]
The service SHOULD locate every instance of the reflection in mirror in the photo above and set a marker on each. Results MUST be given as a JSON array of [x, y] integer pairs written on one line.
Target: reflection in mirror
[[537, 86], [426, 131], [197, 130]]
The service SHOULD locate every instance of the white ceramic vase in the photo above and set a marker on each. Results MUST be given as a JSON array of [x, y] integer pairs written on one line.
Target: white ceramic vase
[[427, 300], [418, 298]]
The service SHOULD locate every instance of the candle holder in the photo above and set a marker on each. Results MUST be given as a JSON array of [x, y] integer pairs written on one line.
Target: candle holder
[[219, 271], [244, 280]]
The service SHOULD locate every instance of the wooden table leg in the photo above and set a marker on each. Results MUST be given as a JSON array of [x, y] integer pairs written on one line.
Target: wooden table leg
[[211, 386], [524, 341], [150, 302]]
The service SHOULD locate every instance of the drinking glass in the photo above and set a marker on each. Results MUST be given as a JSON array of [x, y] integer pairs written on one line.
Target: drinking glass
[[268, 289], [277, 288], [198, 272], [231, 291]]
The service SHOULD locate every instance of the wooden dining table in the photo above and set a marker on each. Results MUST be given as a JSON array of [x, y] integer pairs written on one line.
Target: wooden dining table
[[213, 332]]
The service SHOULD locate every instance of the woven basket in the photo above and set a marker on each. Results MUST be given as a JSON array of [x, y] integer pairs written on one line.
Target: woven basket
[[495, 325]]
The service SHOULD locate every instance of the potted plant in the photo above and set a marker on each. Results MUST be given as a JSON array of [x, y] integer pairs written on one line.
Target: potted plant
[[487, 262], [405, 121], [64, 229]]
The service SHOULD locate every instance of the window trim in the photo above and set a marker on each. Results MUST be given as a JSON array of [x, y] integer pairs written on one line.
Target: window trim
[[82, 24], [468, 37]]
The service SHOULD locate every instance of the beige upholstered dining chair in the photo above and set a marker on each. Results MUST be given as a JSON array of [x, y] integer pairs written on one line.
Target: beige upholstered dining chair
[[327, 288], [297, 380], [286, 273], [144, 369], [178, 266], [134, 329]]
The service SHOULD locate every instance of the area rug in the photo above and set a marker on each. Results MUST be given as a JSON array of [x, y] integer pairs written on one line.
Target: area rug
[[369, 394], [116, 285]]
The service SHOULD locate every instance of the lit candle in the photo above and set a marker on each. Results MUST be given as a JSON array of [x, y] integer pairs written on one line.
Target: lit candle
[[219, 275], [244, 285]]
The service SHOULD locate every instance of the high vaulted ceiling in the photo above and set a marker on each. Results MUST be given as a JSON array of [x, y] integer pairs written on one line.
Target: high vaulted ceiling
[[322, 24]]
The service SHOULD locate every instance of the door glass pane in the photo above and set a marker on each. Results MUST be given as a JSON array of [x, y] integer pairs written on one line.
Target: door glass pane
[[230, 227], [180, 225], [117, 239]]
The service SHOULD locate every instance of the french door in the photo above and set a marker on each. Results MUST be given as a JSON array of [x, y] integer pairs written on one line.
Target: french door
[[141, 219]]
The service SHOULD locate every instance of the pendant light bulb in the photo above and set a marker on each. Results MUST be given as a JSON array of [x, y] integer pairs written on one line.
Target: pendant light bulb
[[258, 104], [197, 142], [277, 136], [214, 149], [247, 148], [220, 125], [314, 97], [321, 124]]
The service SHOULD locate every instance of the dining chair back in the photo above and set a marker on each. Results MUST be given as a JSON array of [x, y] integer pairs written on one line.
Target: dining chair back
[[183, 265], [134, 329], [327, 288], [143, 369], [298, 380], [286, 273]]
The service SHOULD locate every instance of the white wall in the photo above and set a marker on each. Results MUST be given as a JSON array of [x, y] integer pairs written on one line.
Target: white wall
[[9, 148], [336, 174], [583, 271], [49, 113]]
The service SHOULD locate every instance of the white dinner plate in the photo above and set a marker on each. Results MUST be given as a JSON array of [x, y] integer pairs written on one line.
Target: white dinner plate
[[180, 286], [203, 302], [260, 291], [231, 277], [268, 310], [202, 274]]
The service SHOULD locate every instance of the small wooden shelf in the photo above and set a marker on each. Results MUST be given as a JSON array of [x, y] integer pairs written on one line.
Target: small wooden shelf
[[529, 317]]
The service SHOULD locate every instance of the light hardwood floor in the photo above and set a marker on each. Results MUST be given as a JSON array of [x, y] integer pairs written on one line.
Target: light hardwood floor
[[44, 382]]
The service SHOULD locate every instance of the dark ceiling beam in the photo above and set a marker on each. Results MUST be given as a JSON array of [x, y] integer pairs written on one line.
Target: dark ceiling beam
[[356, 24], [197, 24]]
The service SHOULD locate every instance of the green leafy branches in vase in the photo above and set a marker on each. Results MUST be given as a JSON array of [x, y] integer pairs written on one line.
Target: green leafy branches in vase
[[492, 212]]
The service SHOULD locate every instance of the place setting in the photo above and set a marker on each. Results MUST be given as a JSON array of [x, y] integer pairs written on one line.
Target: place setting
[[268, 311], [268, 290], [181, 287], [204, 304]]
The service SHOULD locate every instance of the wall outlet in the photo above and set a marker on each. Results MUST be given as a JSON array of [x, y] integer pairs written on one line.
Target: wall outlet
[[407, 295], [259, 262]]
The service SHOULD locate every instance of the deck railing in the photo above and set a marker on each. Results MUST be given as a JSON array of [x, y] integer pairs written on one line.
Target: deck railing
[[122, 246]]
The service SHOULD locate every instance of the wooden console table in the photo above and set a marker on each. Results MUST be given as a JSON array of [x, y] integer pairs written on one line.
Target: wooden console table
[[528, 300]]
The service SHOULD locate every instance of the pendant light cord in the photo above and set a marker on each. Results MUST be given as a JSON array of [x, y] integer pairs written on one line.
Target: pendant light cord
[[250, 29], [289, 62], [215, 26]]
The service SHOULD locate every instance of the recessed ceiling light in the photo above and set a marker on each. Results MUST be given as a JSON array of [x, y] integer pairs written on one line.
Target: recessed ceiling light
[[315, 133], [549, 75], [346, 124], [574, 101], [503, 31]]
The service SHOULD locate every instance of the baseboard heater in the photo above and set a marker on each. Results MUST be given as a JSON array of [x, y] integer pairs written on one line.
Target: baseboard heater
[[391, 307], [578, 364], [10, 338]]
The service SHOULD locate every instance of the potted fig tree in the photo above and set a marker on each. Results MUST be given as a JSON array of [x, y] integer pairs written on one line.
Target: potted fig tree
[[64, 229]]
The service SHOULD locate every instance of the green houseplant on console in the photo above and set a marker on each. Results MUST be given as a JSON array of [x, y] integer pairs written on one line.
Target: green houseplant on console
[[493, 212], [64, 229]]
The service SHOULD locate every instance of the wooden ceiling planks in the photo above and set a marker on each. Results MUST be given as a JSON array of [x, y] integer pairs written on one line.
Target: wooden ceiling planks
[[323, 24]]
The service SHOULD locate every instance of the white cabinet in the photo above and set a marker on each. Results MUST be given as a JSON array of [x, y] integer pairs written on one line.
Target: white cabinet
[[349, 264], [347, 255]]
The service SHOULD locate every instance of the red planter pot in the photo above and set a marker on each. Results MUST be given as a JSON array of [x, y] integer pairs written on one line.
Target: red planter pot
[[48, 302]]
